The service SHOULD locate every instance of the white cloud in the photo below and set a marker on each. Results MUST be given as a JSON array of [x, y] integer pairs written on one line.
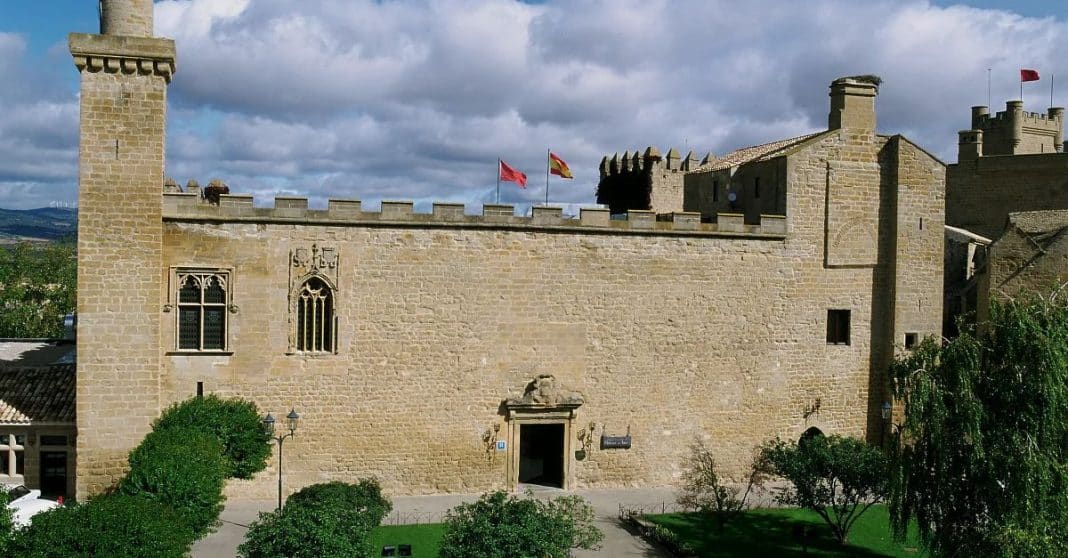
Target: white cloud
[[418, 98]]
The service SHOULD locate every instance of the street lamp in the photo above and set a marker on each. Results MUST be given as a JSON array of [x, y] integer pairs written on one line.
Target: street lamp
[[887, 408], [268, 423]]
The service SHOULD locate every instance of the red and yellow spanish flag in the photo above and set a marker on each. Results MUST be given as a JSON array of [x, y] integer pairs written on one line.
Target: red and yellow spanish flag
[[558, 167]]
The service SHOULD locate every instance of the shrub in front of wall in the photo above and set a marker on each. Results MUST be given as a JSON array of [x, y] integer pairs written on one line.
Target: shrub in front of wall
[[7, 524], [330, 520], [182, 468], [502, 526], [235, 422], [114, 525], [364, 496]]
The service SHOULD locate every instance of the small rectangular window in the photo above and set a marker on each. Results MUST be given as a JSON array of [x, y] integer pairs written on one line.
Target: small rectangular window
[[911, 339], [756, 187], [715, 190], [838, 327]]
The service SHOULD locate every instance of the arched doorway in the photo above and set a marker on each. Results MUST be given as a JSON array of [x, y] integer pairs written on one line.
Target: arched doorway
[[810, 434]]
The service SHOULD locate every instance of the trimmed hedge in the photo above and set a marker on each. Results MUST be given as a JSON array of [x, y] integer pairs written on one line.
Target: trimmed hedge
[[235, 422], [115, 525], [182, 468], [364, 496], [499, 525], [330, 520]]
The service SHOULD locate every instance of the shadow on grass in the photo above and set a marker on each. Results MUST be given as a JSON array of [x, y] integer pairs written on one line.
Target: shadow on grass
[[775, 533]]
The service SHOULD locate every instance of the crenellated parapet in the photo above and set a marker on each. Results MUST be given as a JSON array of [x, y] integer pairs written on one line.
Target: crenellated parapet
[[236, 208], [115, 54], [649, 160], [1013, 131]]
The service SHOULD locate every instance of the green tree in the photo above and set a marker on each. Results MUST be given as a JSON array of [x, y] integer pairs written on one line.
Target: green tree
[[183, 469], [37, 288], [330, 520], [498, 525], [982, 460], [235, 422], [837, 477]]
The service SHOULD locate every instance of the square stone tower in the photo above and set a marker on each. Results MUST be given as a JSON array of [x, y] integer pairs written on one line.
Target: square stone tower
[[124, 76]]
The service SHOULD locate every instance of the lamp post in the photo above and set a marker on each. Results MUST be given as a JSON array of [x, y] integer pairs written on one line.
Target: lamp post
[[291, 421], [887, 412]]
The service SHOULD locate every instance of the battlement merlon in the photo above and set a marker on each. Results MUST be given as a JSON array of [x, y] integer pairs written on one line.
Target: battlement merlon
[[188, 207], [649, 160]]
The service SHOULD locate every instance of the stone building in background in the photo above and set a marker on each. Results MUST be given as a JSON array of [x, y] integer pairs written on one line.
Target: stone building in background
[[445, 352], [1003, 202], [37, 429]]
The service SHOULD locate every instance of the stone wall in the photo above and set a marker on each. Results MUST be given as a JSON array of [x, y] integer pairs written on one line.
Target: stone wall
[[676, 335], [982, 192], [1029, 258]]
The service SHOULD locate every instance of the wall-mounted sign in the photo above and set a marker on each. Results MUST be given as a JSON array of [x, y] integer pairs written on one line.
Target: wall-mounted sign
[[502, 445], [615, 442]]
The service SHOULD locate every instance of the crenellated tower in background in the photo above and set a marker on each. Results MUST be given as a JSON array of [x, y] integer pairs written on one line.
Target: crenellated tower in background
[[124, 76]]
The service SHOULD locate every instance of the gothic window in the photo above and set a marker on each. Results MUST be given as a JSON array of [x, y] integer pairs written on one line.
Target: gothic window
[[315, 317], [203, 299]]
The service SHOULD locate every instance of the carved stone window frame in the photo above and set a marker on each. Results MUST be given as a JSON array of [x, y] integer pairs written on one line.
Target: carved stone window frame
[[172, 306], [316, 262]]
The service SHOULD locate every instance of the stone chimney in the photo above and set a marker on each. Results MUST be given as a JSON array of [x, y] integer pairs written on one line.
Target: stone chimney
[[129, 18], [853, 103]]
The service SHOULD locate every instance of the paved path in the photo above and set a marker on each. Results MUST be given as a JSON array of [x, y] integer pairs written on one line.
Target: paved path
[[422, 509]]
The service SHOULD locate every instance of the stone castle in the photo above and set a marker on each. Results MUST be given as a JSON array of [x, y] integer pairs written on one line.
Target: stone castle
[[753, 295]]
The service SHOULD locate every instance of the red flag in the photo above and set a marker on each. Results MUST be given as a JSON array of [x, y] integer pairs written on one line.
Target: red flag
[[558, 167], [1028, 75], [508, 174]]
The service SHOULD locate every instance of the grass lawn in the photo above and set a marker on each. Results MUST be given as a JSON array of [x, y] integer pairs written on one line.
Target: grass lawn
[[769, 532], [423, 538]]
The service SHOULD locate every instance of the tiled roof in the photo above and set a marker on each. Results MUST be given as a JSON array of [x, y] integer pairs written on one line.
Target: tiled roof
[[755, 153], [35, 394]]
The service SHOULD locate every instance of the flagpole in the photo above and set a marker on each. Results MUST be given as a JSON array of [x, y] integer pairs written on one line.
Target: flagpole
[[1051, 91], [988, 87], [498, 180], [547, 151]]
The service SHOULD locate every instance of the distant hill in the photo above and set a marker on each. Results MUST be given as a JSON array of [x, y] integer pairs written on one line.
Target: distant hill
[[41, 224]]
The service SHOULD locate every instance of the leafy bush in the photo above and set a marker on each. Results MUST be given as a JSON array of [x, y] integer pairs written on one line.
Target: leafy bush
[[330, 520], [115, 525], [184, 469], [235, 422], [703, 490], [838, 478], [7, 525], [503, 526], [364, 497]]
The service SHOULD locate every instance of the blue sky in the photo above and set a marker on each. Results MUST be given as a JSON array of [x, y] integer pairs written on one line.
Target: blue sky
[[417, 99]]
